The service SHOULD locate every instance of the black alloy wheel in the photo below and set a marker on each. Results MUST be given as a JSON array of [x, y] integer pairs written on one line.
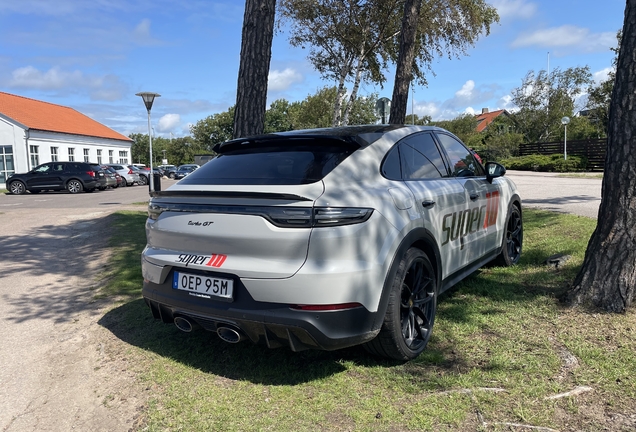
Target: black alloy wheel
[[410, 315], [513, 239]]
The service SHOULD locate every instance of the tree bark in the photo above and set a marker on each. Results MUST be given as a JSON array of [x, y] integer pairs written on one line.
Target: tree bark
[[608, 276], [404, 67], [256, 53]]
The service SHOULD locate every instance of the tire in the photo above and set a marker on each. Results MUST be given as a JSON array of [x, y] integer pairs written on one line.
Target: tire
[[74, 186], [411, 309], [143, 180], [124, 182], [171, 175], [513, 239], [17, 187]]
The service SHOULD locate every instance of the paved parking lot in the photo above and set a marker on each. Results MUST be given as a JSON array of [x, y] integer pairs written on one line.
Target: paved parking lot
[[550, 191]]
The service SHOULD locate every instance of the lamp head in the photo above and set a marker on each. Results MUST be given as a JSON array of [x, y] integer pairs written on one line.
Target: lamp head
[[148, 98], [565, 120]]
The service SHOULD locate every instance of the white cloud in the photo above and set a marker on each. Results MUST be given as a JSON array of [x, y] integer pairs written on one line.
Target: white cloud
[[567, 36], [53, 79], [510, 9], [601, 75], [282, 80], [106, 87], [143, 28], [466, 91], [168, 122]]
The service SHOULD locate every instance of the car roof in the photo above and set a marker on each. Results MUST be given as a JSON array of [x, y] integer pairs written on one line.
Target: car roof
[[357, 136]]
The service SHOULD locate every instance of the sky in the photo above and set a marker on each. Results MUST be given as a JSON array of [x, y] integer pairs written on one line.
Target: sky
[[95, 55]]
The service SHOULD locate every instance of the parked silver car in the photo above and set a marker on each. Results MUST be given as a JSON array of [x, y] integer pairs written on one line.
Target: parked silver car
[[126, 173], [327, 238]]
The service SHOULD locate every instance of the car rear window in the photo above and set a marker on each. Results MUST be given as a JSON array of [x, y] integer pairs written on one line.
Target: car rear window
[[271, 165]]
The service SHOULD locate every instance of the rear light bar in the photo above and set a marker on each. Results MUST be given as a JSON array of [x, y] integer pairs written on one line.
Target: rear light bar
[[282, 217], [331, 307]]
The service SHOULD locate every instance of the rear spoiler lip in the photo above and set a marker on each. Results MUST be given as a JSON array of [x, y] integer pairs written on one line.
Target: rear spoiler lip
[[228, 194]]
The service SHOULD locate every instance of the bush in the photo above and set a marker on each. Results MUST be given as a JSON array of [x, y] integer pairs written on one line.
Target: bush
[[546, 163]]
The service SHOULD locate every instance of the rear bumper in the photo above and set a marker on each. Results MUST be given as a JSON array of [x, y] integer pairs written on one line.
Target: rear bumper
[[271, 324]]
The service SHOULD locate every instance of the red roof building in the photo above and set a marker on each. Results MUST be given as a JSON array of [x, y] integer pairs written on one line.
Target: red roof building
[[486, 117], [34, 132]]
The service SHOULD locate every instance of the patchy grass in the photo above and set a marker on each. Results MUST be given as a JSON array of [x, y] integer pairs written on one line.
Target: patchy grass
[[582, 175], [502, 343]]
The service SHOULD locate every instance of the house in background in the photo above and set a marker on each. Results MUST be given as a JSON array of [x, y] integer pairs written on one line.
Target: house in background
[[33, 132], [487, 117]]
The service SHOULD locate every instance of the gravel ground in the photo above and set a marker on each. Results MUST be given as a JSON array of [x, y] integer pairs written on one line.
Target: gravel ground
[[61, 370]]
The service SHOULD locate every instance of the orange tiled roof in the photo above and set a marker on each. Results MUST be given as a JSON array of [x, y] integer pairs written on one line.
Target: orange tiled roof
[[46, 116], [483, 120]]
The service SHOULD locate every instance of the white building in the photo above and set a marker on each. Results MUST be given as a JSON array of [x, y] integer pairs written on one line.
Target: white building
[[33, 132]]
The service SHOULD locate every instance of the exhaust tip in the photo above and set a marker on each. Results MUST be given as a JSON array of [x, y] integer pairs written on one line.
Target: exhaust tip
[[183, 324], [229, 335]]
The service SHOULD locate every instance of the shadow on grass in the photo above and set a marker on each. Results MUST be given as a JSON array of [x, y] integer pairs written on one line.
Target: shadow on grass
[[203, 350], [491, 291]]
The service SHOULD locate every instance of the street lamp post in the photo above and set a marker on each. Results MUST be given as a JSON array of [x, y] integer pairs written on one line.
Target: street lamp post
[[148, 99], [565, 121]]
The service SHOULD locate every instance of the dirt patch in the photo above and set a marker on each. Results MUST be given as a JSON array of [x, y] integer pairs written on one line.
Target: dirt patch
[[61, 370]]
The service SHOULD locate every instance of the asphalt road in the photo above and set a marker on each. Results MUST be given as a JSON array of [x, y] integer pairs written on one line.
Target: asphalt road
[[97, 201], [574, 195]]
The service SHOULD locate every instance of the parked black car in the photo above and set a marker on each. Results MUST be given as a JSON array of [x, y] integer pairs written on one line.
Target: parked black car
[[72, 176]]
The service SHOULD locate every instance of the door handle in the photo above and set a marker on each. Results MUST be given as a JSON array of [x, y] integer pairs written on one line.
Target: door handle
[[474, 196], [427, 204]]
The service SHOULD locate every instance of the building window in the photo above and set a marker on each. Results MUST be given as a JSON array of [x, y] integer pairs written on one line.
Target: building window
[[6, 163], [110, 156], [71, 154], [99, 156], [53, 154], [35, 157], [123, 157], [86, 155]]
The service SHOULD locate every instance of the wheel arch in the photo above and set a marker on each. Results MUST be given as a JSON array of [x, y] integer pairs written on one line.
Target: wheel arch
[[73, 178], [422, 239]]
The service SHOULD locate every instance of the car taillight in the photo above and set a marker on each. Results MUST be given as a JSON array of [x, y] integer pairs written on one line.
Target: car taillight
[[130, 171], [91, 173], [282, 217]]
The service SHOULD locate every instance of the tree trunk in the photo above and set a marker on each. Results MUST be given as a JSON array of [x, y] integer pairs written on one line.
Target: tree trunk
[[354, 94], [607, 278], [337, 105], [404, 67], [256, 53]]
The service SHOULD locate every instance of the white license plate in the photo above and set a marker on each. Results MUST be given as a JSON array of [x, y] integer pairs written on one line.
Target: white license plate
[[203, 286]]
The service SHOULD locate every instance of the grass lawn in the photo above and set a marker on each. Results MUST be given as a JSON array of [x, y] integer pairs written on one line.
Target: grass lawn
[[501, 347]]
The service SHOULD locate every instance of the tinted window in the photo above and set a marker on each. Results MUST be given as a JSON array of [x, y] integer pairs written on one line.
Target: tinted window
[[391, 166], [463, 163], [272, 164], [421, 158]]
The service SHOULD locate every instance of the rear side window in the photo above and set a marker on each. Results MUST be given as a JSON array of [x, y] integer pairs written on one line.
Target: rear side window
[[416, 157], [271, 165]]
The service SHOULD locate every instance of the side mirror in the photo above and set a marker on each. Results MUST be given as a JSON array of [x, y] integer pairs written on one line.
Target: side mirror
[[494, 170]]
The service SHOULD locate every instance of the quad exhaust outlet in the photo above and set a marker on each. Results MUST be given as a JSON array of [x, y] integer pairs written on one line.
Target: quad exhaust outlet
[[229, 334]]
